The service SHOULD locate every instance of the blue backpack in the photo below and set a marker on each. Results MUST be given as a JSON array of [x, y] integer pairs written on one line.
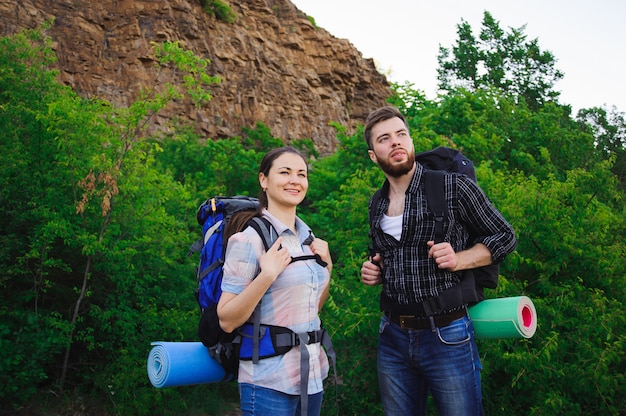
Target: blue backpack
[[252, 341], [214, 215]]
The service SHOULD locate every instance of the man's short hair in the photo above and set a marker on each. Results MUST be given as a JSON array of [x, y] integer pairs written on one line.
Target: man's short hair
[[376, 116]]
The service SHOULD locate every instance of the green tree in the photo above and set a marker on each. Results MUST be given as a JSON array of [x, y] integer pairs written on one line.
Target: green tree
[[92, 229], [29, 178], [609, 132], [576, 284], [119, 175], [506, 61], [488, 125]]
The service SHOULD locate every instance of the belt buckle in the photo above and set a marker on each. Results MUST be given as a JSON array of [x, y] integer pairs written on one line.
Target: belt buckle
[[403, 319]]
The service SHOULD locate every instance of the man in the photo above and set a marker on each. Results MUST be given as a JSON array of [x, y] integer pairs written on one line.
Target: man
[[422, 350]]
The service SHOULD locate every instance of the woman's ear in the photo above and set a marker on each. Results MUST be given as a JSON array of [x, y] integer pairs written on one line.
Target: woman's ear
[[263, 181]]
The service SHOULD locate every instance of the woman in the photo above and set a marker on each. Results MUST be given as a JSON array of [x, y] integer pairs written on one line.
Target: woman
[[290, 294]]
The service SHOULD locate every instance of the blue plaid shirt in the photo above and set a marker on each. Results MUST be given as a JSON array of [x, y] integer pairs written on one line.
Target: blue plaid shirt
[[291, 301], [410, 276]]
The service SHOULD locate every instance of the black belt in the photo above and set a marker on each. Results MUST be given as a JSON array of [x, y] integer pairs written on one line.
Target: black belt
[[424, 322]]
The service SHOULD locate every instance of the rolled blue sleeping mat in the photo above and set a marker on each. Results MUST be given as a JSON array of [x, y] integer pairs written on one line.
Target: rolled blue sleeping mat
[[173, 364]]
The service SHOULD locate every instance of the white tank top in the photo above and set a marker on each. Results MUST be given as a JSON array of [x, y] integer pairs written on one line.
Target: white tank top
[[392, 226]]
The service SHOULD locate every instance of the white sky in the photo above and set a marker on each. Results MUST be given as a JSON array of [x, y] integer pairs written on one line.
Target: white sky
[[587, 38]]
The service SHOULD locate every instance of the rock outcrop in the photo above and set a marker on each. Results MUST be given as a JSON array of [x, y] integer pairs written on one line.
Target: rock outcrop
[[276, 66]]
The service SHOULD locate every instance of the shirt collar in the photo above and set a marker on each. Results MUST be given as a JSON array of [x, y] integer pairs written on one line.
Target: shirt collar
[[303, 230]]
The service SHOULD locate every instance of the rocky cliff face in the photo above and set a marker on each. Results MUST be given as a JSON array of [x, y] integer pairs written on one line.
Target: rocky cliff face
[[276, 67]]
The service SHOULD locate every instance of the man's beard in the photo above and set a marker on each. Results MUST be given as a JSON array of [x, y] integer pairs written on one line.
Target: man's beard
[[396, 171]]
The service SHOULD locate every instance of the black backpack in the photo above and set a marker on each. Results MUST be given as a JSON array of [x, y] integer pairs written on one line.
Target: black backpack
[[437, 163]]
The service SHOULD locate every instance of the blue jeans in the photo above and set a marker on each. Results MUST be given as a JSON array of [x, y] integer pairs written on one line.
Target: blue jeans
[[445, 362], [261, 401]]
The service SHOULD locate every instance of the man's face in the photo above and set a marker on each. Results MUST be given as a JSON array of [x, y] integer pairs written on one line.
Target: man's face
[[392, 147]]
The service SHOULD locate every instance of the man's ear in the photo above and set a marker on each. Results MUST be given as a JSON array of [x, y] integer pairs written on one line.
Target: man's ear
[[372, 156]]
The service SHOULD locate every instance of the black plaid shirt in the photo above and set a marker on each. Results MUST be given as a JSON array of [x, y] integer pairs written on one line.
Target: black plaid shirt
[[409, 275]]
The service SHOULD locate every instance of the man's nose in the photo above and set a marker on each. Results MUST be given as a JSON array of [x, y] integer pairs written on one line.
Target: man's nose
[[395, 140]]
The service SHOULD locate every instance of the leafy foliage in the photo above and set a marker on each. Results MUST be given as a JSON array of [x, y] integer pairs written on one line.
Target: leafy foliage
[[220, 9], [609, 131], [98, 215], [499, 60]]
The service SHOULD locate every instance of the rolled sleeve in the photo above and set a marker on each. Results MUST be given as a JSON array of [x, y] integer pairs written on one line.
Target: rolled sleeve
[[500, 245], [486, 224]]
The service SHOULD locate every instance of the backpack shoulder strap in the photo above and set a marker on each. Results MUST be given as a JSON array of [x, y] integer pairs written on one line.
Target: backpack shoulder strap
[[264, 228], [373, 203], [268, 235], [434, 190], [464, 292]]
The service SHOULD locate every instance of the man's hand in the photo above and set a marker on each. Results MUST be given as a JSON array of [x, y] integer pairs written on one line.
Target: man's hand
[[370, 271], [443, 254]]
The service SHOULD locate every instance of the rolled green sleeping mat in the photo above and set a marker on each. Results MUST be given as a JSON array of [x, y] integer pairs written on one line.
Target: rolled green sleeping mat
[[512, 317]]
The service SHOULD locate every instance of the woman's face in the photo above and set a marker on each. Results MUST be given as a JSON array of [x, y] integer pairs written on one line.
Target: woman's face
[[287, 181]]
